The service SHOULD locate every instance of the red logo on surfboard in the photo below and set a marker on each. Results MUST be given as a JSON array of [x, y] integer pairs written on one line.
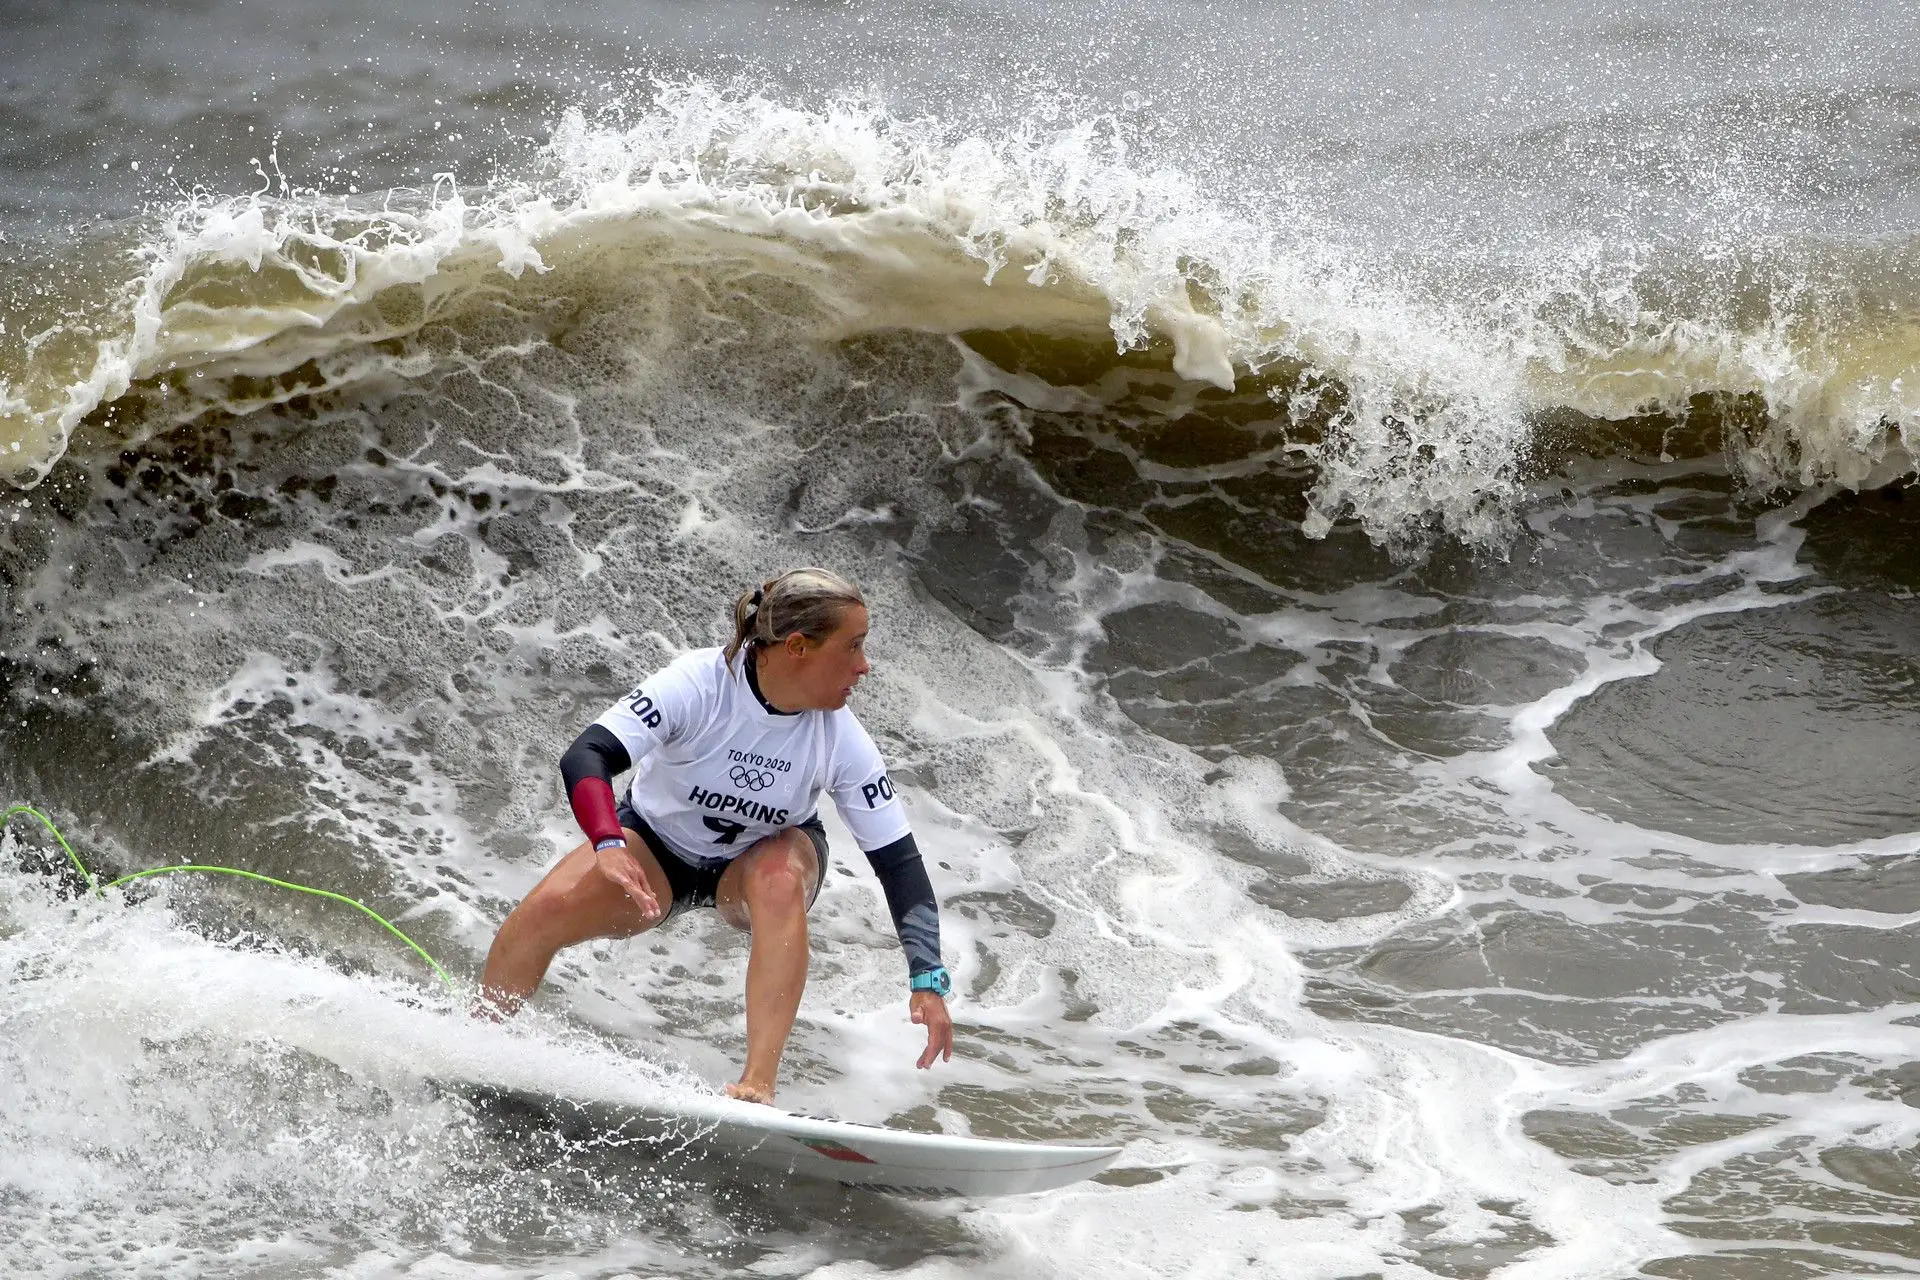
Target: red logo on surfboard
[[834, 1151]]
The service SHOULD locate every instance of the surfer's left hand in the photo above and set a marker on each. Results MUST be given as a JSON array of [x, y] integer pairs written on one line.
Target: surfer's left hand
[[930, 1011]]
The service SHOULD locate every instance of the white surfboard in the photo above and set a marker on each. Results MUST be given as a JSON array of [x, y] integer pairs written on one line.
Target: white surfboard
[[860, 1155]]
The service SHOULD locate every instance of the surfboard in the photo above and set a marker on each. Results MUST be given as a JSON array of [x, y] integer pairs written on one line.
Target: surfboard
[[854, 1155]]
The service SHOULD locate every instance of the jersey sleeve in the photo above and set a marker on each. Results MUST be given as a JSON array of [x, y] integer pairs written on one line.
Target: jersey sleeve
[[662, 709], [862, 792]]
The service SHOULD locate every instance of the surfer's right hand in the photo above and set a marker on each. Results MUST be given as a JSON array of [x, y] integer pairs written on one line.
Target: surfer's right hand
[[620, 866]]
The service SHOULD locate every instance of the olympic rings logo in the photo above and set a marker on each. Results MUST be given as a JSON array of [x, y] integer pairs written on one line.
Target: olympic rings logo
[[751, 779]]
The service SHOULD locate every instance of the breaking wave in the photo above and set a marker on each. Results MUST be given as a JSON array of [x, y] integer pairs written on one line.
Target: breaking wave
[[1423, 394]]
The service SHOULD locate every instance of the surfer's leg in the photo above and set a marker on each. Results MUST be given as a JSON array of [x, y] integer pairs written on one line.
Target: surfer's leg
[[572, 903], [767, 891]]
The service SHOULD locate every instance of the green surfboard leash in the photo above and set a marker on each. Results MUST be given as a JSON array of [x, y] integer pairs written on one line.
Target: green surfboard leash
[[100, 890]]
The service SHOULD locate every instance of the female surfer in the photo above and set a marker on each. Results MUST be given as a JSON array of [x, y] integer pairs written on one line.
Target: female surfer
[[730, 750]]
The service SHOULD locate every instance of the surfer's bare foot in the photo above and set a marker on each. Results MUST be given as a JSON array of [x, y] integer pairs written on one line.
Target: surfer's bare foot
[[746, 1092]]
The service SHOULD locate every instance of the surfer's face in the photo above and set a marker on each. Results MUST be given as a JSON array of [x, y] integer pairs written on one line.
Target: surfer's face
[[827, 672]]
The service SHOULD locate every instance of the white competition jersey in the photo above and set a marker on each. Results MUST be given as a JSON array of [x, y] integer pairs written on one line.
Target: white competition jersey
[[716, 770]]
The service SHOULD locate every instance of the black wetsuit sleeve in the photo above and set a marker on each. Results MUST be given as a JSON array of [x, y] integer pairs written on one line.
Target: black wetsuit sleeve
[[596, 753], [916, 916]]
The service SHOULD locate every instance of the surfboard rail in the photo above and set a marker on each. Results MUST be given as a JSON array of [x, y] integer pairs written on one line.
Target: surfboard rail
[[873, 1157]]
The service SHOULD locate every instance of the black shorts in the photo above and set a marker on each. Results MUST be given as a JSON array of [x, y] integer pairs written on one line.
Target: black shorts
[[695, 885]]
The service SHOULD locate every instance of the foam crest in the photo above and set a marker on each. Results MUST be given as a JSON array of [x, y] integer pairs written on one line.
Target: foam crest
[[1416, 387]]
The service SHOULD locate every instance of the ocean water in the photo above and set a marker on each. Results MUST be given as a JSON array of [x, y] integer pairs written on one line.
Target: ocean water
[[1394, 586]]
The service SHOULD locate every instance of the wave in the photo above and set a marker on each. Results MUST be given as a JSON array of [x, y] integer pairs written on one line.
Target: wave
[[1420, 390]]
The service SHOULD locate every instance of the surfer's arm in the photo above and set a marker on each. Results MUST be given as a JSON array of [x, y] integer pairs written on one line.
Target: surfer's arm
[[916, 918], [588, 768], [916, 915], [874, 812]]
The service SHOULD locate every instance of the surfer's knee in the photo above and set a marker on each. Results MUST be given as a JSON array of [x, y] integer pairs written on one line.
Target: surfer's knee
[[785, 873], [777, 877]]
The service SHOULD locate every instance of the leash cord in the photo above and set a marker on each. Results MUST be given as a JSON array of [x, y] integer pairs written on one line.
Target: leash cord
[[100, 890]]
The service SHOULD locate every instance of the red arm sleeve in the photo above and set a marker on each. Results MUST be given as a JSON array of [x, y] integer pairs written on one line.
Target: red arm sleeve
[[593, 809], [588, 769]]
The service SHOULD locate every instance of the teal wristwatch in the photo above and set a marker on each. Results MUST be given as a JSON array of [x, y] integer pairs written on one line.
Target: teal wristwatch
[[934, 980]]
